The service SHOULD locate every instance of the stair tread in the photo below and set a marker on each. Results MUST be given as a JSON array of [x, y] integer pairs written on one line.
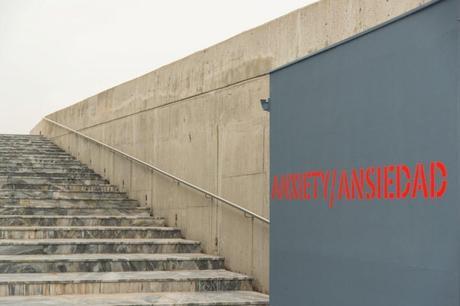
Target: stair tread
[[61, 191], [111, 256], [107, 203], [80, 217], [75, 277], [157, 298], [32, 201], [98, 241], [57, 185], [83, 227]]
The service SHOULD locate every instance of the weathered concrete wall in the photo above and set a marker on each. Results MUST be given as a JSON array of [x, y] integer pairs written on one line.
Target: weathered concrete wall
[[200, 118]]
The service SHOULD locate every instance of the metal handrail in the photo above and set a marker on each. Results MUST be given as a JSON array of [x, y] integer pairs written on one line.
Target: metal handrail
[[152, 167]]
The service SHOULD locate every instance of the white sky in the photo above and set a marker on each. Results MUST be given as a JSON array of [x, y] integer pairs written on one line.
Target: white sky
[[54, 53]]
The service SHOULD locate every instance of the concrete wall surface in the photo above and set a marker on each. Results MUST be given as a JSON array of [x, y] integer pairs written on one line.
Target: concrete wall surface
[[200, 119]]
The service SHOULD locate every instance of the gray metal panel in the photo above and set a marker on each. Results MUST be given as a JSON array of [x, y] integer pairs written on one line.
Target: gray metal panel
[[387, 97]]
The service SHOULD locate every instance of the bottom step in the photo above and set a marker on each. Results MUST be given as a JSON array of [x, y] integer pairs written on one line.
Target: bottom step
[[154, 299], [51, 284]]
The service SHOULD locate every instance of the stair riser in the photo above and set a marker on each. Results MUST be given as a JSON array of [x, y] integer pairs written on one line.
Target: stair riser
[[19, 142], [47, 172], [30, 150], [48, 165], [70, 202], [20, 137], [52, 170], [40, 162], [89, 234], [17, 154], [73, 188], [37, 152], [28, 146], [31, 167], [98, 248], [124, 206], [27, 289], [15, 138], [43, 221], [58, 195], [34, 157], [110, 266], [73, 211], [50, 180], [72, 176]]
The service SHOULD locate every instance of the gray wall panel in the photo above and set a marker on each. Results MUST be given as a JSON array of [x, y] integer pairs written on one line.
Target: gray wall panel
[[387, 97]]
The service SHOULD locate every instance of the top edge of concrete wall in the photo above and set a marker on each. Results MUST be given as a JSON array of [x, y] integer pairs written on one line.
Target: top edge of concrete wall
[[200, 51], [358, 35], [247, 55]]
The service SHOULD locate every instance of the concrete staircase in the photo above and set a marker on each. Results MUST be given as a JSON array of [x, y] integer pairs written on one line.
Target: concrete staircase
[[68, 237]]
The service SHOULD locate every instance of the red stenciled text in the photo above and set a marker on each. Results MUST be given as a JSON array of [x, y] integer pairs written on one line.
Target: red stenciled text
[[390, 182]]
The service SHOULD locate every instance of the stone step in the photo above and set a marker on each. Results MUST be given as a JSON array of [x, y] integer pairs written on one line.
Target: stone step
[[27, 145], [207, 298], [21, 136], [30, 167], [64, 211], [94, 220], [19, 141], [37, 155], [108, 262], [61, 194], [21, 153], [26, 284], [63, 187], [66, 175], [36, 159], [41, 161], [70, 203], [51, 180], [26, 142], [29, 149], [97, 246], [73, 169], [88, 232], [48, 171]]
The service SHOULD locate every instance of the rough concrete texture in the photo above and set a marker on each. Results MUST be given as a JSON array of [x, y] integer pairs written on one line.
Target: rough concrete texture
[[200, 118]]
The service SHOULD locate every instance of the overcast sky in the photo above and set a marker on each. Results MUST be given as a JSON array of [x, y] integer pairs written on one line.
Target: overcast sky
[[54, 53]]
